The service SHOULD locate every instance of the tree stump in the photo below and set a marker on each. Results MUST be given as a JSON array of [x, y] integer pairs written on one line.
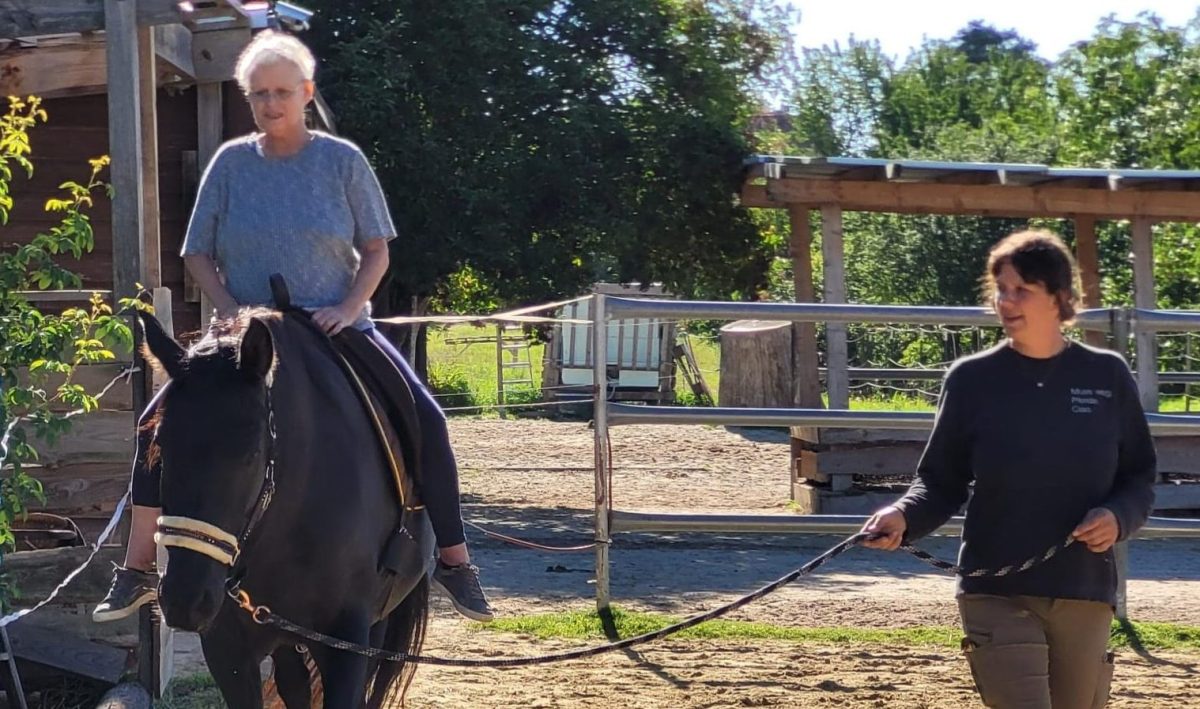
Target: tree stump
[[756, 364]]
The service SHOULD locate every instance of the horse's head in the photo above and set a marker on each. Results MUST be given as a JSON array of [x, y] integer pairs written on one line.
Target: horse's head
[[215, 444]]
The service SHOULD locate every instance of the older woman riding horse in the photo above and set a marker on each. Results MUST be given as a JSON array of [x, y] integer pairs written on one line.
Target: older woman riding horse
[[274, 482]]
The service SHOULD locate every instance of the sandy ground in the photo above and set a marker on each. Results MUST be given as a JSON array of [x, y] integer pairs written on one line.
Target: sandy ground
[[533, 479]]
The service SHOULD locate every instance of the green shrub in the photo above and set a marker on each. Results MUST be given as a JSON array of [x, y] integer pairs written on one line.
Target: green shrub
[[452, 387], [522, 395]]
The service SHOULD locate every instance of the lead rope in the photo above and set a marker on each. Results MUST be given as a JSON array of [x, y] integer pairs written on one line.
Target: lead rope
[[264, 616]]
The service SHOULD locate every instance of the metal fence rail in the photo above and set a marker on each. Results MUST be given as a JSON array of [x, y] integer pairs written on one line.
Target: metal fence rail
[[1096, 319], [1120, 322], [673, 522]]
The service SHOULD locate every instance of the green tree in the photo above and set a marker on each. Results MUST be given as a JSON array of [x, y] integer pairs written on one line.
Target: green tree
[[1127, 98], [39, 352], [530, 148]]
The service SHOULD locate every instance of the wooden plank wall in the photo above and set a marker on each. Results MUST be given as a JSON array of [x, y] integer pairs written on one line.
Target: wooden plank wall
[[78, 130], [88, 471]]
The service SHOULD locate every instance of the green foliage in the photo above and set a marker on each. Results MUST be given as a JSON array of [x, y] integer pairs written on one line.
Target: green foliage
[[451, 385], [519, 395], [39, 352], [531, 148], [1123, 98]]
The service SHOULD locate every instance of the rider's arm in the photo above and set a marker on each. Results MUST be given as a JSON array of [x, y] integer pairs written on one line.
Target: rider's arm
[[371, 269], [204, 272]]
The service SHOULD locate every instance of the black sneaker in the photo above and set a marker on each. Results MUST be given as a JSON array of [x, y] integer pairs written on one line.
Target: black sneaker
[[461, 585], [131, 589]]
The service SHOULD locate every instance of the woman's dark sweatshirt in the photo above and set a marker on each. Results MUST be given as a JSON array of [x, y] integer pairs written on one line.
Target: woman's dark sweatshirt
[[1040, 457]]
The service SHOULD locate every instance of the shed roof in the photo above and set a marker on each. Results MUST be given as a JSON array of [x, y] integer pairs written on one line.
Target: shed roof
[[989, 189], [969, 173]]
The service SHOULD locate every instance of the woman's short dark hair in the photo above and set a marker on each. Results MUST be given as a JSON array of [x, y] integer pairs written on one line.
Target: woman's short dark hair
[[1038, 256]]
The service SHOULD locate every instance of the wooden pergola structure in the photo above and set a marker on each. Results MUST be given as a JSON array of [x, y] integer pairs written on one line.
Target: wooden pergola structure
[[1083, 195]]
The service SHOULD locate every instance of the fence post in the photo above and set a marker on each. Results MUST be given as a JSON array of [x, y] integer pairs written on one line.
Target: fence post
[[1144, 296], [500, 369], [602, 453], [837, 376], [1120, 327]]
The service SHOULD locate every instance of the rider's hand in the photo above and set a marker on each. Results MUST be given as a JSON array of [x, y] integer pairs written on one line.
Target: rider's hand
[[334, 320], [887, 527], [1099, 529]]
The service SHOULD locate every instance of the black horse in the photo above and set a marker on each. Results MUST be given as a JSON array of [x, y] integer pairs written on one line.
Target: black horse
[[274, 481]]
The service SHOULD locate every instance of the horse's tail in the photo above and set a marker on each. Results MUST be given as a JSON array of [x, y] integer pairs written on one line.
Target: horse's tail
[[405, 633]]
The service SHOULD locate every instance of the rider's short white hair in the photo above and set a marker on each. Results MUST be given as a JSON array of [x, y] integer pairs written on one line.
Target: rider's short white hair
[[270, 47]]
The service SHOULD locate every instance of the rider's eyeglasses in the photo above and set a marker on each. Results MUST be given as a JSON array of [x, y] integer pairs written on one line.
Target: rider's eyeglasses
[[265, 95]]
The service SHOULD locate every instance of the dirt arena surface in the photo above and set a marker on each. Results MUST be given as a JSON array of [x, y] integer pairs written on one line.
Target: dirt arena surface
[[533, 479]]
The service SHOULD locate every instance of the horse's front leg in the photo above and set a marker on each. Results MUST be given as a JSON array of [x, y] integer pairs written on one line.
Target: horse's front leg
[[292, 679], [344, 674], [233, 660]]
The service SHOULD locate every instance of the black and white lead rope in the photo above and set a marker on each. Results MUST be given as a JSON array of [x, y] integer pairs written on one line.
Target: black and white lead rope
[[989, 573], [264, 616]]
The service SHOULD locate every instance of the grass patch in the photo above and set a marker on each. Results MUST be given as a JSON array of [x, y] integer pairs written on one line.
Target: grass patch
[[192, 692], [1156, 636], [587, 625]]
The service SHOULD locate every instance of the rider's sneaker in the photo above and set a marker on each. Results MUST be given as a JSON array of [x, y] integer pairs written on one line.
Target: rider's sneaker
[[131, 589], [461, 585]]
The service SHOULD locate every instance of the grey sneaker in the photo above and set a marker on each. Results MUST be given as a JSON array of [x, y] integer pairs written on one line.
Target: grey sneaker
[[131, 589], [461, 585]]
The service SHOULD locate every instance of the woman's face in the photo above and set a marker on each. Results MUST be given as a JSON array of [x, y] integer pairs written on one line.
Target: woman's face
[[1024, 308], [278, 94]]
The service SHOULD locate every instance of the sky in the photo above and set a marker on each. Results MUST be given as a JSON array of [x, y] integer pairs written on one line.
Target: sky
[[899, 26]]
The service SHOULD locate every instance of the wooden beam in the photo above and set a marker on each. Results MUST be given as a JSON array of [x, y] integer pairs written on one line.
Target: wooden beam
[[53, 72], [125, 146], [980, 200], [805, 365], [173, 47], [1087, 254], [189, 180], [210, 125], [1144, 296], [30, 18], [148, 95], [834, 269], [215, 54], [806, 373]]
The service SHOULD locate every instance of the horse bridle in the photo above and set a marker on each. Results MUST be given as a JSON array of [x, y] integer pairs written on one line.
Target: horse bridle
[[214, 542]]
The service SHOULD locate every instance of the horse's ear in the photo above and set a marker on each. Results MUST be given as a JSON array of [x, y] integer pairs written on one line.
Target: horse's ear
[[160, 348], [256, 354]]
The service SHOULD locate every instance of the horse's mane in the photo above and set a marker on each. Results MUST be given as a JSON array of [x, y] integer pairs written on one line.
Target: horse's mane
[[217, 348], [224, 334]]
